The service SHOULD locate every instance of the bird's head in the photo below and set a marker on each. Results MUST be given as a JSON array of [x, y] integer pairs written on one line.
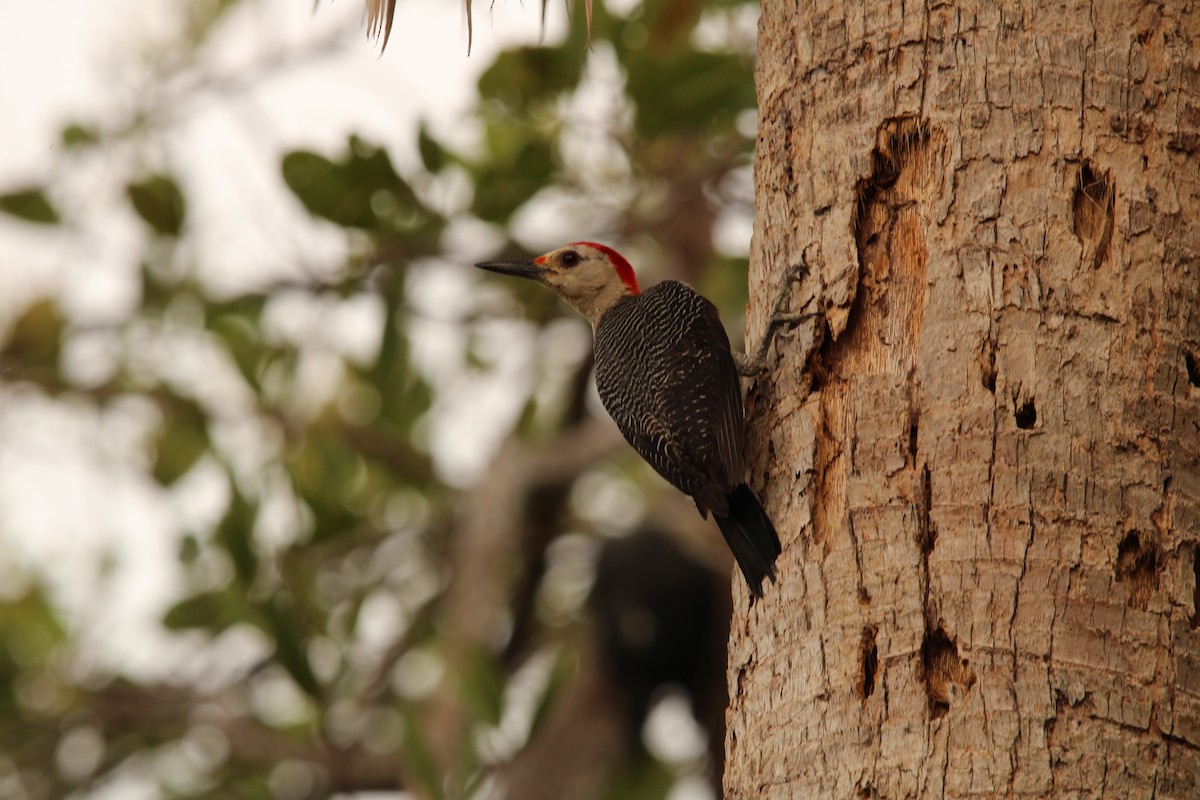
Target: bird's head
[[591, 277]]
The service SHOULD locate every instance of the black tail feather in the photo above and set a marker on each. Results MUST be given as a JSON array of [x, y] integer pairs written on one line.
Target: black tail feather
[[751, 536]]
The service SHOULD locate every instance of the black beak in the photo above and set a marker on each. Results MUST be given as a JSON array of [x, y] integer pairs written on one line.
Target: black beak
[[516, 267]]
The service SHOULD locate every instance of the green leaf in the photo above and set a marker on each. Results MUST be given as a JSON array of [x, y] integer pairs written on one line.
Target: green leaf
[[405, 395], [362, 190], [182, 439], [504, 185], [527, 74], [689, 93], [240, 334], [290, 646], [189, 549], [235, 534], [159, 203], [483, 686], [31, 205], [36, 337], [29, 629], [212, 611], [78, 135], [433, 155], [324, 474]]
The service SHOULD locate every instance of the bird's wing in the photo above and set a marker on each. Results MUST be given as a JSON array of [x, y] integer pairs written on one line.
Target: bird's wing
[[666, 376], [702, 397]]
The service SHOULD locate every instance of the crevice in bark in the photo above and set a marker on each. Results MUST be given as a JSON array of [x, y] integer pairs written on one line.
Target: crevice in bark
[[789, 156], [1025, 414], [817, 366], [1193, 369], [1092, 207], [987, 364], [947, 675], [870, 662], [1195, 620], [1163, 517], [890, 289], [864, 596], [914, 428], [926, 530], [1137, 564], [825, 449]]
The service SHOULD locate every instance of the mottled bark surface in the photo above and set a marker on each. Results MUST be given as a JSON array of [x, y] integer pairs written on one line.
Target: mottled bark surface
[[990, 500]]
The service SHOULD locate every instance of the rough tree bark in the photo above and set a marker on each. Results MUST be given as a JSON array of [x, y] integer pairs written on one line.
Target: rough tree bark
[[990, 499]]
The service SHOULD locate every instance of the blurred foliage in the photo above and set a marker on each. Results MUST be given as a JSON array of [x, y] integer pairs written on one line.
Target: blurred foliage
[[337, 513], [31, 205], [159, 202]]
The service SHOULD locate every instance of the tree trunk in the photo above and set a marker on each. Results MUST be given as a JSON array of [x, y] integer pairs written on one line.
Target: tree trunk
[[985, 474]]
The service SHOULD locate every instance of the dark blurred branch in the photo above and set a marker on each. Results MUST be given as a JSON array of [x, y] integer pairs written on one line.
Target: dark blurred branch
[[544, 511], [581, 745], [350, 770], [391, 451], [485, 571]]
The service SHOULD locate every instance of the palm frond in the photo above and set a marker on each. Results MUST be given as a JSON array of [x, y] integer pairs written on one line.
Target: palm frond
[[380, 14]]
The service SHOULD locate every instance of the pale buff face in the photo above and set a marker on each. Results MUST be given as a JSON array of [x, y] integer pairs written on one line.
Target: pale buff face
[[584, 277]]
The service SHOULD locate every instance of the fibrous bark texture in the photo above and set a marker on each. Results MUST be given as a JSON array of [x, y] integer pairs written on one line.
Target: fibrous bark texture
[[984, 461]]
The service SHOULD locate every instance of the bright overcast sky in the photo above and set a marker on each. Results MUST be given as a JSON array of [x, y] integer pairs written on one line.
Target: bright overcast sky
[[71, 491], [80, 60]]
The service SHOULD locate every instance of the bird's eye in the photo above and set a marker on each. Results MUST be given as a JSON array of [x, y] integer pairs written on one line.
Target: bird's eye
[[570, 258]]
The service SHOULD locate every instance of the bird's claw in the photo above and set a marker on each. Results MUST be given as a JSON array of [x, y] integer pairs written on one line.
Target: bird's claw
[[751, 365]]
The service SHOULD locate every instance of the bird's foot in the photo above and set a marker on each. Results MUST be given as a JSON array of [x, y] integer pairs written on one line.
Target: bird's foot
[[749, 365]]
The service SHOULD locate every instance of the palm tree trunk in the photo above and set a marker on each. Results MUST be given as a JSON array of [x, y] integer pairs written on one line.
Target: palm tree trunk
[[984, 462]]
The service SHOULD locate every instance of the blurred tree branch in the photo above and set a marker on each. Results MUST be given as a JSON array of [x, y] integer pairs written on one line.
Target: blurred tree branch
[[479, 596]]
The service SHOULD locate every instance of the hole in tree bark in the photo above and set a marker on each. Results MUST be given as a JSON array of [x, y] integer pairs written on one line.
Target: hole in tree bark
[[1137, 566], [896, 140], [947, 675], [987, 366], [1025, 414], [1092, 205], [1193, 369], [819, 359], [870, 663], [1195, 587]]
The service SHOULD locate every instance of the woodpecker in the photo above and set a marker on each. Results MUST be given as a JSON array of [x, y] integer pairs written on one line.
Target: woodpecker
[[667, 377]]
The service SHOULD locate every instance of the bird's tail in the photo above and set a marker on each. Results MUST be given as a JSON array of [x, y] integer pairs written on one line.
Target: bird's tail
[[751, 536]]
